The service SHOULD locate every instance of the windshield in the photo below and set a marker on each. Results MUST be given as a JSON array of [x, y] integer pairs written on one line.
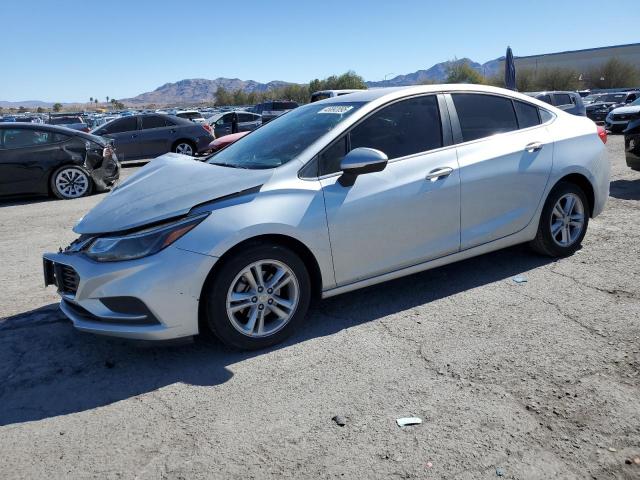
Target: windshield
[[635, 102], [284, 138]]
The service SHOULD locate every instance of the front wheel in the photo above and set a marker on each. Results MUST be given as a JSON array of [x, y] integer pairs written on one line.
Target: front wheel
[[71, 182], [563, 222], [258, 297]]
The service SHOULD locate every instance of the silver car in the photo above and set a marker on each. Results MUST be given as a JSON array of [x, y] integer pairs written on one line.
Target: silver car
[[334, 196]]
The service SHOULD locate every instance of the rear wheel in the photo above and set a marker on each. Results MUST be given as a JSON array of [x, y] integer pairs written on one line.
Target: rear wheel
[[563, 222], [258, 297], [184, 148], [71, 182]]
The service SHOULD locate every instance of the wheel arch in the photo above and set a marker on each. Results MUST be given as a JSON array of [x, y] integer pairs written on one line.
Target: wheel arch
[[184, 140], [66, 163], [293, 244], [585, 185]]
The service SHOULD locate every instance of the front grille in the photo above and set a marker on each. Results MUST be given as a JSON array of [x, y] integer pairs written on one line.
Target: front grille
[[67, 278]]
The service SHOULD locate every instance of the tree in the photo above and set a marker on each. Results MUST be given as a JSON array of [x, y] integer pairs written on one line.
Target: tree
[[557, 79], [57, 107], [525, 80], [348, 80], [613, 74], [90, 99], [459, 71], [21, 109], [107, 98], [96, 101], [40, 110]]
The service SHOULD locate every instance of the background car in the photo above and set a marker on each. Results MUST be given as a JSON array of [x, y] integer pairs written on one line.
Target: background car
[[74, 122], [592, 98], [324, 94], [147, 136], [632, 144], [272, 109], [193, 115], [42, 159], [224, 141], [222, 123], [570, 102], [598, 110], [618, 118]]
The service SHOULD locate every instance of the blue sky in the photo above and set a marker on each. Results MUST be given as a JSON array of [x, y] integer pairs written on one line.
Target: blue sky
[[69, 50]]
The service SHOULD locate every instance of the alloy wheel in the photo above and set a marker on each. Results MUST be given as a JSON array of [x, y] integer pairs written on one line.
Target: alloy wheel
[[72, 183], [567, 220], [184, 149], [263, 298]]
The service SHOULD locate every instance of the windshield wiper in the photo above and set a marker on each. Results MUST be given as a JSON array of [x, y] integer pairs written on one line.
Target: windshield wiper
[[223, 164]]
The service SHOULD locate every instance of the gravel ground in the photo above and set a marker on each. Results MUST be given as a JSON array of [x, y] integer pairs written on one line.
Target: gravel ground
[[532, 380]]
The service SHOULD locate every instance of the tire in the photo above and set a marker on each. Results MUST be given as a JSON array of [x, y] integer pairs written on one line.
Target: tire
[[560, 233], [231, 288], [185, 147], [71, 181]]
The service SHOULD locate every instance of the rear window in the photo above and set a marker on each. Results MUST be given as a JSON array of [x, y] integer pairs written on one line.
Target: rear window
[[284, 105], [65, 120], [484, 115], [545, 99], [316, 97], [125, 124]]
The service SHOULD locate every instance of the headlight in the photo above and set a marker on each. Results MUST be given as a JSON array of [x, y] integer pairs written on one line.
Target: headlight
[[142, 243]]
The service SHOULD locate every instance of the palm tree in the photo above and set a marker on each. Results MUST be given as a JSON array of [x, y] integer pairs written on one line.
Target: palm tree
[[107, 98], [90, 99]]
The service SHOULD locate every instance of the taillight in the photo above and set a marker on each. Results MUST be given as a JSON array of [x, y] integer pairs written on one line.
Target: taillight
[[86, 129], [207, 127], [602, 133]]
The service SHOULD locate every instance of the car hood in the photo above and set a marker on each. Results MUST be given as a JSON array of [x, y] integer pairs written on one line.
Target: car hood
[[166, 187], [629, 109]]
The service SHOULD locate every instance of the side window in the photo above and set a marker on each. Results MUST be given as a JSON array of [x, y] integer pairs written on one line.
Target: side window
[[545, 99], [59, 137], [403, 128], [631, 98], [246, 117], [545, 116], [527, 114], [126, 124], [20, 138], [331, 158], [484, 115], [562, 99], [153, 121]]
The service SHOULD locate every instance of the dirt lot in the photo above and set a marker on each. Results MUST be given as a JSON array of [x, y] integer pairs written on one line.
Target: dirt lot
[[532, 380]]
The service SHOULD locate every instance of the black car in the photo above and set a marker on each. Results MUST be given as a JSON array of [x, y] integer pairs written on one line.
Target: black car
[[44, 159], [273, 109], [632, 144], [222, 123], [150, 135], [599, 110]]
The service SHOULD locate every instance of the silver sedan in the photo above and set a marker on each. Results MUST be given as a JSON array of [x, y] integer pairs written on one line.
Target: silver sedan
[[334, 196]]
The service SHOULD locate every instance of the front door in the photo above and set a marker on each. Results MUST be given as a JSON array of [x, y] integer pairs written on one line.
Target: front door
[[403, 215]]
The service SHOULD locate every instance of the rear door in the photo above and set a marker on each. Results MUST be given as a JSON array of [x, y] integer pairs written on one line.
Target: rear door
[[505, 157], [222, 126], [248, 122], [124, 132], [156, 134]]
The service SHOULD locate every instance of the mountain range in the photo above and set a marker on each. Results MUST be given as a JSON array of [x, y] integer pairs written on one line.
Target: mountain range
[[198, 90]]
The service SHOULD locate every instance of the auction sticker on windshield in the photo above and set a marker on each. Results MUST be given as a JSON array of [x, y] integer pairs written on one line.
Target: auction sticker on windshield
[[339, 109]]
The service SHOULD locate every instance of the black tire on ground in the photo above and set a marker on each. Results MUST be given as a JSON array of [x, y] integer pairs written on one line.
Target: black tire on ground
[[53, 182], [184, 142], [215, 296], [544, 243]]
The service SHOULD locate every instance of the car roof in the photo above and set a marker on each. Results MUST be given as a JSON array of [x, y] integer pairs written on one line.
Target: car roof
[[52, 128], [399, 92]]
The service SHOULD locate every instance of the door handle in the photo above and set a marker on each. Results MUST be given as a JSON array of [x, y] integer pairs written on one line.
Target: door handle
[[434, 175], [533, 147]]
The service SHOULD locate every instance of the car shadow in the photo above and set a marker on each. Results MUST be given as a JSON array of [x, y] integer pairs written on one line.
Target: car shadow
[[47, 368], [625, 189]]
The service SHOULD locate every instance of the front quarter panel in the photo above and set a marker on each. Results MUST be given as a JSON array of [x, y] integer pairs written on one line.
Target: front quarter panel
[[293, 208]]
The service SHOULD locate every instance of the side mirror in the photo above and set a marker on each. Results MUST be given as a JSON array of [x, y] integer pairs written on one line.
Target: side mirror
[[359, 161]]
